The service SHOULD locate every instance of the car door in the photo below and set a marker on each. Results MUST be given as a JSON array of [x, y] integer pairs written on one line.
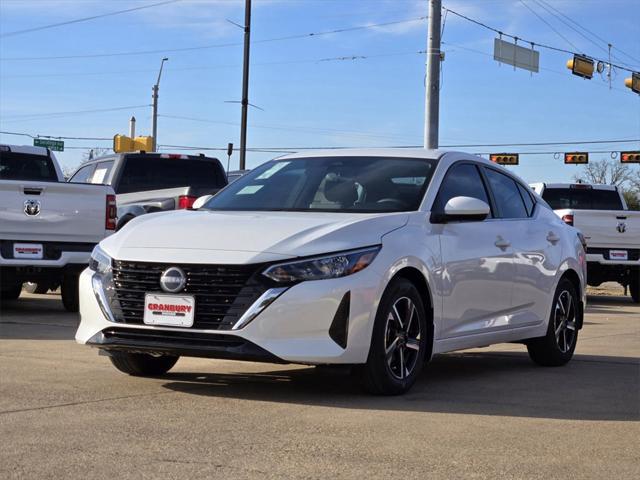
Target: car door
[[477, 265], [536, 245]]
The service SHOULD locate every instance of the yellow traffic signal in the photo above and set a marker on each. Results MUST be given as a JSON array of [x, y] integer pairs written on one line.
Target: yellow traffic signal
[[630, 157], [123, 144], [504, 158], [576, 158], [633, 82], [581, 66]]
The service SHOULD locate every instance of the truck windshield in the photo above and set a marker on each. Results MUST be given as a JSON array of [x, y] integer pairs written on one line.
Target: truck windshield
[[331, 184], [149, 172], [24, 166], [582, 198]]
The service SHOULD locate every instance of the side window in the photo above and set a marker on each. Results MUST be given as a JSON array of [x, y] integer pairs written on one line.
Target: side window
[[102, 172], [83, 175], [506, 195], [528, 201], [461, 181]]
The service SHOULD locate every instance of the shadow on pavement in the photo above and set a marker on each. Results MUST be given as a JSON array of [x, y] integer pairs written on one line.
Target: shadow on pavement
[[505, 384], [37, 317]]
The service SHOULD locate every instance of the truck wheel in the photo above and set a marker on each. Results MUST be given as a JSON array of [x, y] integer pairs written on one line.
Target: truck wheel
[[141, 364], [557, 346], [10, 293], [634, 287], [70, 294], [39, 288], [398, 342]]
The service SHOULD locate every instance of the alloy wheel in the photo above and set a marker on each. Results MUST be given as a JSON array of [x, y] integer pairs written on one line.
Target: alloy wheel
[[565, 321], [402, 338]]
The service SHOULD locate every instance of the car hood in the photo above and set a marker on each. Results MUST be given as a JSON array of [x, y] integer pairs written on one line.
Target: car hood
[[245, 237]]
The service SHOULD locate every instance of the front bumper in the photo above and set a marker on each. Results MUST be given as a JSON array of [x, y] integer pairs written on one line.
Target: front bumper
[[295, 328]]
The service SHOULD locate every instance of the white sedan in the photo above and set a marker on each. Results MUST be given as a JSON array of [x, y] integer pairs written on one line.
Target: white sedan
[[373, 258]]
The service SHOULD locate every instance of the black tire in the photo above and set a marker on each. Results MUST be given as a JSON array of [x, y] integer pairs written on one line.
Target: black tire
[[557, 346], [69, 291], [634, 286], [141, 364], [39, 288], [393, 370], [11, 293]]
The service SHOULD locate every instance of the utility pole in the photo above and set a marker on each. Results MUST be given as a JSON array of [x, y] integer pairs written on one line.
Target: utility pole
[[432, 98], [154, 117], [245, 85]]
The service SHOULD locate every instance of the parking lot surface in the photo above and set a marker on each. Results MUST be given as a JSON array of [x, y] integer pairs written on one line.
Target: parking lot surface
[[65, 412]]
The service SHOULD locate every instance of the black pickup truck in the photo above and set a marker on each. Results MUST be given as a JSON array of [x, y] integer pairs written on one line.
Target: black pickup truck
[[153, 182]]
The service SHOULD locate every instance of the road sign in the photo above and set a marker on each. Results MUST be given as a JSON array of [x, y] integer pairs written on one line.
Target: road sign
[[512, 54], [56, 145]]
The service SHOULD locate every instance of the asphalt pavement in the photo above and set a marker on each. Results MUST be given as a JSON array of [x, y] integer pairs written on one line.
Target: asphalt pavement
[[65, 412]]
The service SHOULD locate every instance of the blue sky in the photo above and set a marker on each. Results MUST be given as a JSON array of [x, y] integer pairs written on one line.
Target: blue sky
[[308, 101]]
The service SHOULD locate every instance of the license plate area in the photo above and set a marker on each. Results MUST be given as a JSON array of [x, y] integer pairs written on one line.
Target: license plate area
[[33, 251], [618, 255], [169, 310]]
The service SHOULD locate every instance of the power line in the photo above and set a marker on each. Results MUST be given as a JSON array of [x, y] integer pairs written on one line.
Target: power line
[[34, 116], [85, 19], [541, 45], [542, 19], [57, 137], [219, 45]]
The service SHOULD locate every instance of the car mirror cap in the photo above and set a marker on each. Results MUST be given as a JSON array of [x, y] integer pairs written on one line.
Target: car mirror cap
[[462, 209]]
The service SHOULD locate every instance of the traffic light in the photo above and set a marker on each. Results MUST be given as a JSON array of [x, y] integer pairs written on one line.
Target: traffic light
[[633, 82], [123, 144], [576, 158], [581, 66], [504, 158], [630, 157]]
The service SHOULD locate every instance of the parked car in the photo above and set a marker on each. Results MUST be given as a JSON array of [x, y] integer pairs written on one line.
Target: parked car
[[373, 258], [153, 182], [611, 230], [48, 228]]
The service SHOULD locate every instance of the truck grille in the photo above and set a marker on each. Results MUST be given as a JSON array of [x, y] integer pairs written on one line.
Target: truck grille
[[222, 292]]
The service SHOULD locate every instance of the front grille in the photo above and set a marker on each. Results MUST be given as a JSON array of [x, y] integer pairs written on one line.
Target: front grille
[[222, 292]]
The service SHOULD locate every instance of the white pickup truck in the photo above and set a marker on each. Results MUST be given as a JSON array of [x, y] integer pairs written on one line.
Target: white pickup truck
[[48, 227], [611, 230]]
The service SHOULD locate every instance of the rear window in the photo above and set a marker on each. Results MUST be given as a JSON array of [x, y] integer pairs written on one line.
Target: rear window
[[24, 166], [582, 199], [154, 173]]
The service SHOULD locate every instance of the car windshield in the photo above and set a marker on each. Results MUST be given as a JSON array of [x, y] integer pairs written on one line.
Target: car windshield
[[582, 198], [335, 184], [24, 166]]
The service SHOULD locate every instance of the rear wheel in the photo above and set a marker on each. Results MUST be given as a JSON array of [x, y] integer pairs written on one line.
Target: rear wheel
[[557, 346], [399, 341], [141, 364], [10, 292], [69, 292], [634, 286]]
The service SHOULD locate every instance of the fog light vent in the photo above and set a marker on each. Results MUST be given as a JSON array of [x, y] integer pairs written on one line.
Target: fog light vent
[[339, 328]]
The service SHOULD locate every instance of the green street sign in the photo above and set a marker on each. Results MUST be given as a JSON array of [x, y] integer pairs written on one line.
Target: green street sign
[[56, 145]]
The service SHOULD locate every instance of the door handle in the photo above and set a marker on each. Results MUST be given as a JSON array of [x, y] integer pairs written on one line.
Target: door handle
[[552, 238], [502, 243]]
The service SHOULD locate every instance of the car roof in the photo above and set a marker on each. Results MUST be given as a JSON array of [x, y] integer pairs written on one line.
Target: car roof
[[28, 149], [368, 152]]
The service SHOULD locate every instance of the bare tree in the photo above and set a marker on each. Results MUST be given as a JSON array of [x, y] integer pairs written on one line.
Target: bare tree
[[94, 153], [610, 172]]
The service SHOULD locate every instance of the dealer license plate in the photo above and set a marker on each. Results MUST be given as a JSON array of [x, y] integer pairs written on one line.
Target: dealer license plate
[[618, 255], [32, 251], [169, 310]]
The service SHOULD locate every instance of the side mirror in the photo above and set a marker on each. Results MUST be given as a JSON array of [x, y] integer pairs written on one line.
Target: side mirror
[[200, 201], [462, 209]]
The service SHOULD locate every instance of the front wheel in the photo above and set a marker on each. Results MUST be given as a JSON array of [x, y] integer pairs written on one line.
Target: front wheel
[[141, 364], [634, 286], [398, 342], [557, 346], [11, 293]]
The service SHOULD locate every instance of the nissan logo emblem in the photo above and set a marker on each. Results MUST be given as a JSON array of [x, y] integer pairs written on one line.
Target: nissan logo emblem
[[173, 280]]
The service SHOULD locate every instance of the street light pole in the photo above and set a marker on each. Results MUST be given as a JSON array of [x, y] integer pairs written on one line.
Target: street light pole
[[245, 85], [432, 100], [154, 117]]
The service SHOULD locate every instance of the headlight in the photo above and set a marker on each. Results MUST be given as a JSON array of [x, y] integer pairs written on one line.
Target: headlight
[[320, 268], [100, 262]]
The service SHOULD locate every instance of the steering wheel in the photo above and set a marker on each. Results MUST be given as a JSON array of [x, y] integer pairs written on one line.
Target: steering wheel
[[395, 201]]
